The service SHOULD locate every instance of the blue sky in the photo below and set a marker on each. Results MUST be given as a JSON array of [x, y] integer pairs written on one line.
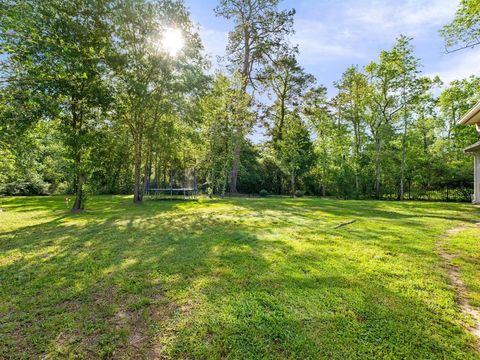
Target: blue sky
[[334, 34]]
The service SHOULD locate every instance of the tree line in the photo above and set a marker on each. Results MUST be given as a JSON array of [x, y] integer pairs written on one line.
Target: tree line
[[93, 101]]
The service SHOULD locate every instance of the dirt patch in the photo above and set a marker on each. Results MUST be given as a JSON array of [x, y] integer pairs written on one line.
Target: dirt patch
[[162, 313], [456, 230], [138, 333], [165, 314], [456, 281]]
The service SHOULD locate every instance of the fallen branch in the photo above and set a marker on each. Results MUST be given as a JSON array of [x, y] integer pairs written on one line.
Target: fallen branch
[[345, 224]]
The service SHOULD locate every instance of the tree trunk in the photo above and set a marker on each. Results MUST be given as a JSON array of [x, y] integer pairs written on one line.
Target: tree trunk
[[378, 169], [324, 173], [278, 180], [453, 121], [157, 170], [235, 166], [357, 185], [137, 191], [148, 169], [404, 155], [212, 187], [77, 120], [404, 142], [357, 157], [78, 205], [137, 132], [246, 78], [164, 181], [293, 183]]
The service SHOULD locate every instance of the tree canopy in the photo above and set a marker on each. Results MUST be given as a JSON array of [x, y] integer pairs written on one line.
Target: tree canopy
[[113, 96], [464, 30]]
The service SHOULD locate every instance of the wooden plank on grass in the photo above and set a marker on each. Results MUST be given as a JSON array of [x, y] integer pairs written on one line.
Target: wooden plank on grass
[[344, 224]]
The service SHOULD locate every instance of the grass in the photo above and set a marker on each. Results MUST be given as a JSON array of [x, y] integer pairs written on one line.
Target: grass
[[239, 278], [466, 247]]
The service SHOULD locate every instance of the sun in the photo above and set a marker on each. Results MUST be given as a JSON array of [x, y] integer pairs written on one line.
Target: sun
[[172, 41]]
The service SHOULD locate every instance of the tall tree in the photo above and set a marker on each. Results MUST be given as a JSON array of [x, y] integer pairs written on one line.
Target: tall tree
[[288, 82], [222, 109], [146, 68], [351, 102], [410, 87], [457, 99], [315, 108], [58, 48], [260, 30], [296, 154], [383, 103]]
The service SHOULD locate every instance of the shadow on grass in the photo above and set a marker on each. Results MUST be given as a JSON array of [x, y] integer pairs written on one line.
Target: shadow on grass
[[101, 284], [371, 209], [174, 280]]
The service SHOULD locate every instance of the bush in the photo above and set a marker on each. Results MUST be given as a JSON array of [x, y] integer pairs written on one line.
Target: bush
[[299, 193], [263, 193], [60, 188], [34, 187]]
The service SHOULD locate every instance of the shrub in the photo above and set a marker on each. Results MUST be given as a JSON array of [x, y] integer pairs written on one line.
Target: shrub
[[299, 193], [60, 188], [263, 193], [33, 187]]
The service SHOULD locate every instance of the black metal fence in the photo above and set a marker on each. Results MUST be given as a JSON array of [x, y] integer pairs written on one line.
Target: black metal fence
[[447, 193]]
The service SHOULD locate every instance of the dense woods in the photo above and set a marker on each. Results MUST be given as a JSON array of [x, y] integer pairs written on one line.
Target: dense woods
[[112, 96]]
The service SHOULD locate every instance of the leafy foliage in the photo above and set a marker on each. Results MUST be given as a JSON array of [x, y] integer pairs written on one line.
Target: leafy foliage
[[92, 102], [464, 30]]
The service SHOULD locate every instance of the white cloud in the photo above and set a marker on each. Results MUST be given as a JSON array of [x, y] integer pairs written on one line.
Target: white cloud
[[412, 17], [214, 41], [457, 66], [317, 41], [352, 32], [335, 34]]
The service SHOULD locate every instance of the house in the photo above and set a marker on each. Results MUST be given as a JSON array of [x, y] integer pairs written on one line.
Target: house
[[473, 118]]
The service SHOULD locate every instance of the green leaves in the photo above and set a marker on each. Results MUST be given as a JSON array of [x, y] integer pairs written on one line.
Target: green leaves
[[224, 113], [464, 30], [296, 148]]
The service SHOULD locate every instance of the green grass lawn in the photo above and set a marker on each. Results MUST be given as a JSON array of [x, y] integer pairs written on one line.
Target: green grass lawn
[[240, 278], [466, 247]]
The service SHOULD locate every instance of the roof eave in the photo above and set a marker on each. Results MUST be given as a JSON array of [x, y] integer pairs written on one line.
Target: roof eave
[[471, 117], [475, 148]]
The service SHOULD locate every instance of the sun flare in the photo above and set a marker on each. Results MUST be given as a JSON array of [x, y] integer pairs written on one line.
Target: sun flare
[[172, 41]]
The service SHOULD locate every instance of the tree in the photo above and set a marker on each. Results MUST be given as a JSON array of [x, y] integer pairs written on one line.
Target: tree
[[288, 81], [222, 109], [457, 99], [296, 154], [315, 108], [464, 30], [352, 100], [260, 30], [383, 103], [454, 101], [146, 73], [58, 48], [410, 87]]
